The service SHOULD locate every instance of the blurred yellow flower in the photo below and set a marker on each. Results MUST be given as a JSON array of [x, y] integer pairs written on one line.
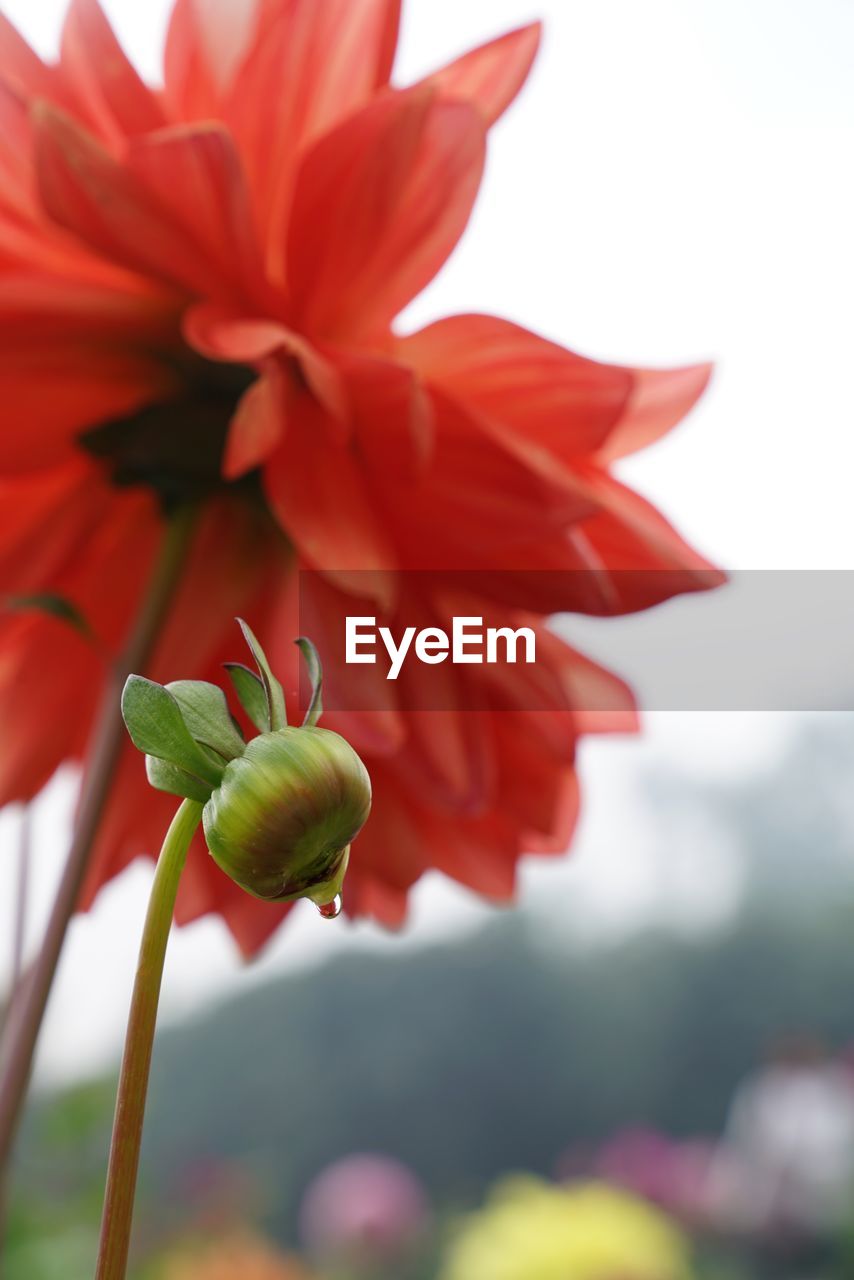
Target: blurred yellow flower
[[240, 1257], [531, 1230]]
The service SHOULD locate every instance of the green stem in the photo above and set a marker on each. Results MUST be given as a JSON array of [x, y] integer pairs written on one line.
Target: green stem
[[136, 1064], [28, 1009]]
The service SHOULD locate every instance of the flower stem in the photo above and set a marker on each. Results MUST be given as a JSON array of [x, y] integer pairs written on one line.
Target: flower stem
[[27, 1014], [136, 1064]]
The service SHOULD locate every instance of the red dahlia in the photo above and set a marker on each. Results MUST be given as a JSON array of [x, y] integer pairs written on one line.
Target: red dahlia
[[198, 289]]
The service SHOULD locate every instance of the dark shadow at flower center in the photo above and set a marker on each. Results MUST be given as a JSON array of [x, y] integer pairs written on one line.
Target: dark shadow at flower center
[[175, 447]]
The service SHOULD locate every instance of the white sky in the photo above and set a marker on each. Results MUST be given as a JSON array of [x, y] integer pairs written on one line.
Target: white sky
[[674, 185]]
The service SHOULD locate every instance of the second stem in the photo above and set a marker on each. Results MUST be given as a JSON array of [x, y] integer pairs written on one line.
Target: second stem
[[30, 1002]]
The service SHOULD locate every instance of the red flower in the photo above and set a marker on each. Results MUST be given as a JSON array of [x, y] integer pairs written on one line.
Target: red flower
[[197, 293]]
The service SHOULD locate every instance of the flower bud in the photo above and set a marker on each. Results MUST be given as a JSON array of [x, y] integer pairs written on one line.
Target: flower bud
[[280, 810], [281, 821]]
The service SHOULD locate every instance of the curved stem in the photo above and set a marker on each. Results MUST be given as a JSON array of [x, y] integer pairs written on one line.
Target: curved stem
[[21, 1034], [136, 1064]]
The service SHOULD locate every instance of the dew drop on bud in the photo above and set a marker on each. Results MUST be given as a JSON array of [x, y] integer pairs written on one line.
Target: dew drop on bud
[[331, 910]]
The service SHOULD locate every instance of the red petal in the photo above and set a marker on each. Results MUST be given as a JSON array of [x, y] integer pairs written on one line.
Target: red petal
[[540, 398], [638, 553], [533, 784], [44, 519], [600, 700], [312, 63], [43, 306], [448, 759], [190, 83], [111, 96], [250, 927], [392, 416], [18, 194], [222, 334], [480, 853], [317, 490], [449, 755], [20, 67], [389, 37], [256, 428], [370, 897], [392, 849], [196, 177], [379, 205], [478, 503], [660, 399], [491, 76], [177, 209], [205, 43], [557, 839], [36, 691], [49, 673], [53, 390]]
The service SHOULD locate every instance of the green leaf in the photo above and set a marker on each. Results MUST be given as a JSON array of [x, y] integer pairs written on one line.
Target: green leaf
[[315, 675], [207, 716], [167, 777], [274, 691], [251, 693], [54, 605], [156, 726]]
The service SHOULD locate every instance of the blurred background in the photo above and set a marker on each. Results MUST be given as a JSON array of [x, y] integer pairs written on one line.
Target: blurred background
[[669, 1012]]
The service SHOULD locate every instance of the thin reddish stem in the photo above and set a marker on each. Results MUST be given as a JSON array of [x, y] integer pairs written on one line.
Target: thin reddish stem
[[27, 1014]]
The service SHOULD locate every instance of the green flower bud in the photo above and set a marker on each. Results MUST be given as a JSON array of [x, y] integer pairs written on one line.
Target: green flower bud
[[281, 821], [280, 811]]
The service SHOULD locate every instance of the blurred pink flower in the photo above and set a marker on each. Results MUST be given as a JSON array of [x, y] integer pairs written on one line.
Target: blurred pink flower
[[365, 1208], [673, 1174]]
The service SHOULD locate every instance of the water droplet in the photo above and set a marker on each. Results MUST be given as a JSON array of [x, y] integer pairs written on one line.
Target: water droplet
[[331, 910]]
